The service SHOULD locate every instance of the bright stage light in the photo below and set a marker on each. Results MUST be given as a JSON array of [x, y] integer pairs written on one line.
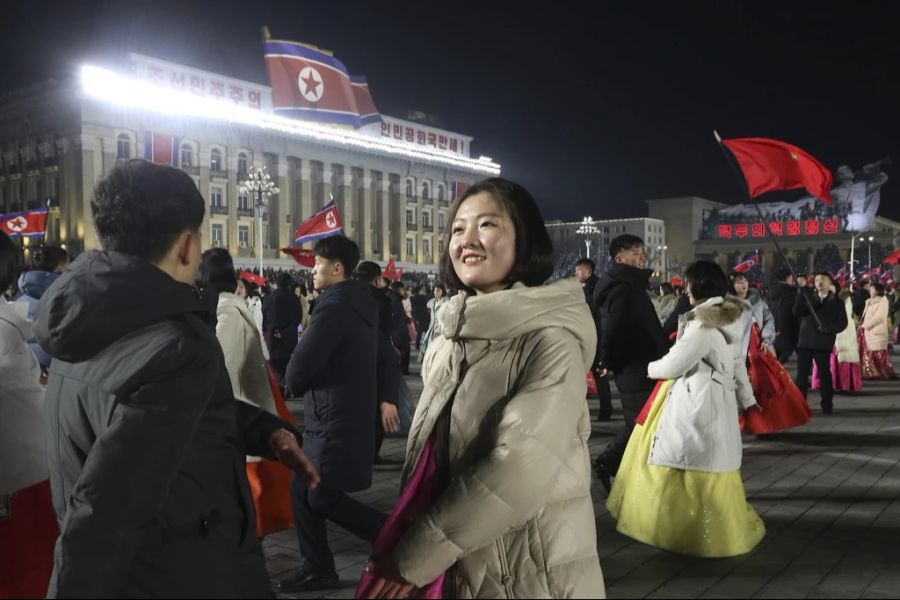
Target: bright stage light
[[107, 86]]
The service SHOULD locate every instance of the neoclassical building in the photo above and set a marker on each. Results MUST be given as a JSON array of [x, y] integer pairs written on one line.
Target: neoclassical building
[[392, 182]]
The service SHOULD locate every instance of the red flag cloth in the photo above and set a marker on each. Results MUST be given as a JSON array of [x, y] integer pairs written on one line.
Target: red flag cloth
[[252, 278], [892, 259], [676, 281], [32, 223], [389, 270], [773, 165], [324, 222], [306, 258], [397, 275], [161, 148], [746, 265]]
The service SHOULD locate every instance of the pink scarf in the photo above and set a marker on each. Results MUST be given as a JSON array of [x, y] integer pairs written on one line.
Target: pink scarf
[[417, 496]]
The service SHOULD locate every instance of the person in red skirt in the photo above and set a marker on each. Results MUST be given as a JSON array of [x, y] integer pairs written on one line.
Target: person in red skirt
[[28, 527], [782, 404]]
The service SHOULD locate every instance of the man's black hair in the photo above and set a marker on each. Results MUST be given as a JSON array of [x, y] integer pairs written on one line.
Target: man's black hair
[[367, 271], [340, 249], [626, 241], [141, 208], [586, 262]]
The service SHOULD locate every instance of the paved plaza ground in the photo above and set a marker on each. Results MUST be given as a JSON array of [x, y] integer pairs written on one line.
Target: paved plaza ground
[[829, 493]]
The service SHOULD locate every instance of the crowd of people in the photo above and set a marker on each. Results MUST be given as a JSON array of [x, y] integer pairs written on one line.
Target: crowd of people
[[145, 389]]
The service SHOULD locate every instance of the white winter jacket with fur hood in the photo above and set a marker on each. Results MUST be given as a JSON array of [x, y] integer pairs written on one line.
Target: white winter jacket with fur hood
[[517, 519], [698, 428]]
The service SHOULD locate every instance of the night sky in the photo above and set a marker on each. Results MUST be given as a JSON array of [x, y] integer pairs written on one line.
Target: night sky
[[594, 110]]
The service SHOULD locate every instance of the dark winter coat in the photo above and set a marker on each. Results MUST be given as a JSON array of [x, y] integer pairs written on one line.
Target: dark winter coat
[[147, 443], [398, 329], [388, 368], [282, 315], [832, 316], [631, 334], [334, 369], [781, 301], [421, 314], [589, 285]]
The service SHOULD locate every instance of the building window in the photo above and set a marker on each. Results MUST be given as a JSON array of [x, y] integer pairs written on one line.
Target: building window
[[426, 218], [218, 234], [215, 160], [440, 193], [410, 216], [242, 164], [409, 188], [410, 247], [441, 222], [123, 146], [216, 197], [187, 155], [243, 236], [426, 193], [243, 202], [426, 247]]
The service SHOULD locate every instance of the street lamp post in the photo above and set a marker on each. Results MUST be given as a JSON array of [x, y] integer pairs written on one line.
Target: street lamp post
[[665, 261], [260, 184], [870, 240], [587, 229]]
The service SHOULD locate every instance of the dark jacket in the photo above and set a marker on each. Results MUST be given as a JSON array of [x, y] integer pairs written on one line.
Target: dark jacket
[[33, 285], [631, 334], [334, 369], [859, 301], [589, 285], [282, 314], [420, 312], [388, 368], [399, 330], [832, 316], [147, 443], [781, 300]]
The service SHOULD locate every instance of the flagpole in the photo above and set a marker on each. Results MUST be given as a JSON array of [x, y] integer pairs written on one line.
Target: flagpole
[[730, 160]]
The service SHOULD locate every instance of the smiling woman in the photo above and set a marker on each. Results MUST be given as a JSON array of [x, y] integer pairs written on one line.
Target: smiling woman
[[497, 476]]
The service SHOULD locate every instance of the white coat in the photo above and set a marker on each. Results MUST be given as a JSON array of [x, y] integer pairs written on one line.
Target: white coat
[[23, 430], [698, 428]]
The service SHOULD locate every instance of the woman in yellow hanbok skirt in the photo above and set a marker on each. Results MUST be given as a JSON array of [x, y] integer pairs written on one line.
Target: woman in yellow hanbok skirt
[[679, 486]]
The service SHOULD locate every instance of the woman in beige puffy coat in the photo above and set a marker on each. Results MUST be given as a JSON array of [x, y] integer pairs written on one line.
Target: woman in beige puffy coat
[[504, 405], [876, 362]]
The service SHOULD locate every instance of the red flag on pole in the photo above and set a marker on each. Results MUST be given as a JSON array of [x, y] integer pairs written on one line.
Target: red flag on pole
[[770, 165], [389, 270], [397, 275], [306, 258], [747, 264], [324, 222]]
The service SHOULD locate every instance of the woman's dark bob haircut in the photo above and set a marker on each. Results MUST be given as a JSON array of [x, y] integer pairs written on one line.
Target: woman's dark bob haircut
[[706, 280], [216, 273], [534, 250]]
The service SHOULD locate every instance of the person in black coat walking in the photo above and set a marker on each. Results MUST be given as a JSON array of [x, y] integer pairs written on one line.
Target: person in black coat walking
[[631, 338], [816, 340], [781, 300], [282, 315], [584, 272], [333, 368], [147, 442], [398, 327], [421, 314], [388, 375]]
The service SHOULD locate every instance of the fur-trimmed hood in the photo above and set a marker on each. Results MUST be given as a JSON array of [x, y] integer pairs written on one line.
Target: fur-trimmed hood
[[720, 313]]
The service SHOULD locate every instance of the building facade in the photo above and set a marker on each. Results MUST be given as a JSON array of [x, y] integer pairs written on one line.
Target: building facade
[[569, 245], [392, 181]]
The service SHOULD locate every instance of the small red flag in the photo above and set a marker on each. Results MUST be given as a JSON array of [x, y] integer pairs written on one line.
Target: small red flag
[[252, 278], [770, 165], [397, 275], [306, 258], [389, 270]]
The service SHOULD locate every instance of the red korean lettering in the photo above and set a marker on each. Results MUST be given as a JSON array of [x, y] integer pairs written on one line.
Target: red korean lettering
[[453, 145], [831, 226], [759, 230], [410, 135], [741, 230], [776, 227], [442, 142], [793, 227], [724, 231], [254, 99], [385, 129], [217, 89], [811, 226], [432, 139], [420, 137], [398, 132], [236, 93]]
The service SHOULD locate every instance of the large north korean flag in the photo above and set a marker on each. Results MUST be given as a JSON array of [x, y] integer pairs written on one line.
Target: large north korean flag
[[309, 84]]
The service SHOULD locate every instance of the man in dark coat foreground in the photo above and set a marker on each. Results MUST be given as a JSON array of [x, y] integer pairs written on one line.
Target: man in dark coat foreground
[[333, 367], [781, 302], [147, 443], [282, 315]]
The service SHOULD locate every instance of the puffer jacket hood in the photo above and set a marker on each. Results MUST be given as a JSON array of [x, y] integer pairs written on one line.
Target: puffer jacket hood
[[35, 283], [723, 314], [104, 296], [511, 313]]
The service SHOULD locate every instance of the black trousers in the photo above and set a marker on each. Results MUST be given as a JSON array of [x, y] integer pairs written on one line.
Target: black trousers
[[805, 360], [604, 394], [313, 507], [632, 403], [783, 348]]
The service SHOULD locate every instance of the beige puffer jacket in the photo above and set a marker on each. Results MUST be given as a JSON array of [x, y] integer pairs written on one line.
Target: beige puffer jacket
[[517, 519]]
